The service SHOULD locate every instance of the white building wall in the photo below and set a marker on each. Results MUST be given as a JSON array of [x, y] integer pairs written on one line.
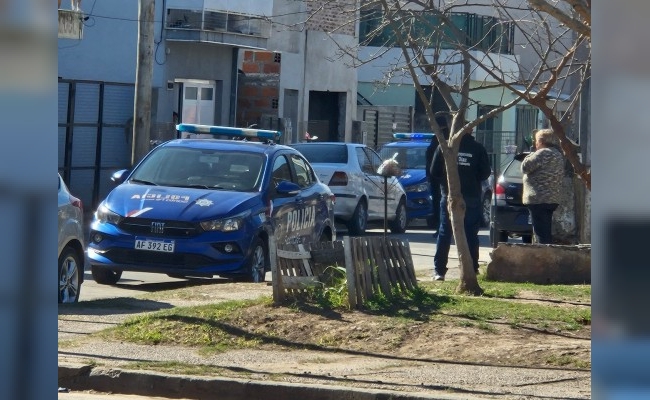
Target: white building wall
[[309, 60], [108, 51], [325, 72]]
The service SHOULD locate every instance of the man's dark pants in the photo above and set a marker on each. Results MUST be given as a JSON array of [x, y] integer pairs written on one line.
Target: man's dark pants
[[434, 185], [472, 224], [542, 217]]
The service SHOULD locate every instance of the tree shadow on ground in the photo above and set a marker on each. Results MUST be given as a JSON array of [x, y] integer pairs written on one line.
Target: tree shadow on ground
[[117, 305]]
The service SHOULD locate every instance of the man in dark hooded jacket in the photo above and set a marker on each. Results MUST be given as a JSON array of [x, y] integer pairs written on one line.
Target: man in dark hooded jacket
[[473, 168], [434, 183]]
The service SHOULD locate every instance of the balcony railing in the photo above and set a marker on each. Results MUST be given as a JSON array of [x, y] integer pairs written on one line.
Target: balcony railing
[[497, 142], [218, 21], [477, 32]]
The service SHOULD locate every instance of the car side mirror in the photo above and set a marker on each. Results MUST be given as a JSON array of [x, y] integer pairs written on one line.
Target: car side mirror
[[120, 176], [521, 156], [286, 189]]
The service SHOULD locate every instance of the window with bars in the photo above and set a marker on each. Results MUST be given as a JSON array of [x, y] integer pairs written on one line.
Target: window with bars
[[475, 31]]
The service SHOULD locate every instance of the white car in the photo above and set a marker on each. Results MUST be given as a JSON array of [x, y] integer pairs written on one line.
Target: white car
[[71, 245], [350, 170]]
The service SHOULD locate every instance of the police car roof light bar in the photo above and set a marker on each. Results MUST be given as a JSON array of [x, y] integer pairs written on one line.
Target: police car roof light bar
[[414, 136], [229, 131]]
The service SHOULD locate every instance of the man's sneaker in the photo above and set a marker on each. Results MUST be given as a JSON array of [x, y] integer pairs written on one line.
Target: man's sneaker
[[437, 277]]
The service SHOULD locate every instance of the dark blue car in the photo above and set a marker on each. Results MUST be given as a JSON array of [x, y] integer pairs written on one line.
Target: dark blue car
[[205, 207], [410, 153]]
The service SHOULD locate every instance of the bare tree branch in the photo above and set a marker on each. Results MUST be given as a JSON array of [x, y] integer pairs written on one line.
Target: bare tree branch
[[582, 8]]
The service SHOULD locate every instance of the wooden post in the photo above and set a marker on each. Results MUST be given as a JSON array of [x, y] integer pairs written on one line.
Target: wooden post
[[409, 261], [276, 275], [384, 274], [350, 272], [143, 82]]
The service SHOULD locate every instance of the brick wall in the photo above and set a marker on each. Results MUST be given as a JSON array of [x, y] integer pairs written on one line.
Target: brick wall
[[259, 89], [336, 16]]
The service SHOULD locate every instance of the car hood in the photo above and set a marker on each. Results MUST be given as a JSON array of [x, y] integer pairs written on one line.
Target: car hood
[[173, 203], [411, 177]]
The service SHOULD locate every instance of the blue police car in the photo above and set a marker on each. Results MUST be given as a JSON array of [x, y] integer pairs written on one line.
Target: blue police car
[[410, 152], [206, 207]]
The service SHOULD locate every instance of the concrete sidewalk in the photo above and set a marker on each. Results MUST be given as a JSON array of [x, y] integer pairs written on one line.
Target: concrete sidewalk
[[91, 364], [553, 385], [80, 377]]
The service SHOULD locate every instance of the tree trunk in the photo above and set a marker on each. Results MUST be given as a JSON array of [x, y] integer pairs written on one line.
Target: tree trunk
[[456, 208]]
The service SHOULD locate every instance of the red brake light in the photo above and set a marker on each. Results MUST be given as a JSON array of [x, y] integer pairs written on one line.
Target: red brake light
[[339, 179], [76, 202], [499, 192]]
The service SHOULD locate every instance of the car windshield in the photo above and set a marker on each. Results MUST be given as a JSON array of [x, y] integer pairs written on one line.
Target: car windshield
[[201, 168], [407, 157], [324, 153]]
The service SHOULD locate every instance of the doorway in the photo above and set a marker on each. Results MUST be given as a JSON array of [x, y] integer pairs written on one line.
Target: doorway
[[198, 100], [325, 118]]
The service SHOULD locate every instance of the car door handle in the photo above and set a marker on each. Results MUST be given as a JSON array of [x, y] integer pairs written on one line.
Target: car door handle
[[300, 200]]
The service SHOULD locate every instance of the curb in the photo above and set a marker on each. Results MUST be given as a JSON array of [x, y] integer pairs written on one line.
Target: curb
[[148, 383]]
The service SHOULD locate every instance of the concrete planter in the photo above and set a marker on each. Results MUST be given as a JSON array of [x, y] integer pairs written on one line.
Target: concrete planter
[[541, 264]]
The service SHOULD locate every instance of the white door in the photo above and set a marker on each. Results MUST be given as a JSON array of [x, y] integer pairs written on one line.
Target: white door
[[373, 184], [198, 103]]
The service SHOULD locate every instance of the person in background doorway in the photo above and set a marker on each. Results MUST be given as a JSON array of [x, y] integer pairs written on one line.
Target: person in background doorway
[[543, 171], [473, 169]]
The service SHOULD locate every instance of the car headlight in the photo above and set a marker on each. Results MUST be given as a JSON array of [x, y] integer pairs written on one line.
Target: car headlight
[[230, 224], [422, 187], [103, 214]]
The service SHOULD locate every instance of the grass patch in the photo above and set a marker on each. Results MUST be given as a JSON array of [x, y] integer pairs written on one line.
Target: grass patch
[[568, 361], [512, 290], [228, 325], [213, 325]]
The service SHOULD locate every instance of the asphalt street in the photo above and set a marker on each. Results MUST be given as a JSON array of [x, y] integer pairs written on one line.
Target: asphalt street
[[421, 243]]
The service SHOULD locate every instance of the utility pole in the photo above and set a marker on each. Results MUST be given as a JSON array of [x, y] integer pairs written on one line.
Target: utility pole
[[143, 79]]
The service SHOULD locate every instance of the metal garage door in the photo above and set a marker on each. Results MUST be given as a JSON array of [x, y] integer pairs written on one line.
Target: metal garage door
[[94, 131]]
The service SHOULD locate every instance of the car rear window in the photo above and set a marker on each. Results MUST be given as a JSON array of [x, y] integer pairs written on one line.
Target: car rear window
[[324, 153], [513, 170], [407, 157]]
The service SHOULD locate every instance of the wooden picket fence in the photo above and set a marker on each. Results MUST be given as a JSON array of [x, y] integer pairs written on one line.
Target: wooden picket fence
[[373, 265]]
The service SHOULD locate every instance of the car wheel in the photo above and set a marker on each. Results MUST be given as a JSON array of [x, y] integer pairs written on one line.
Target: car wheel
[[527, 239], [70, 277], [487, 205], [256, 269], [398, 225], [105, 276], [357, 225]]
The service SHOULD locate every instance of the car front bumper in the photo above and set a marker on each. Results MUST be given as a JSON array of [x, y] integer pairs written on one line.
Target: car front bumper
[[419, 205], [203, 254]]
